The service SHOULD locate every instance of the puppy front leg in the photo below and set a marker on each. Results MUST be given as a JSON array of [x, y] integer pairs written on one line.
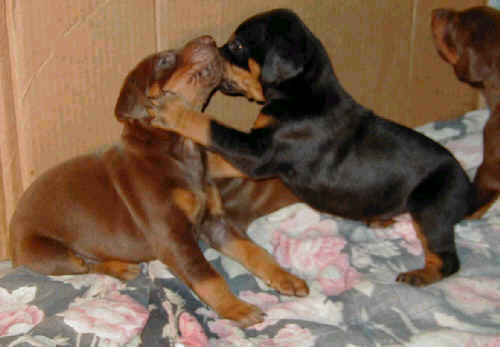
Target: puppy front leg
[[243, 150], [487, 179], [222, 236], [184, 258]]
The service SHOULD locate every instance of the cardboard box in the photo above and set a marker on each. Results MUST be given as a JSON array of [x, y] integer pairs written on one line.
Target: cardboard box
[[62, 63]]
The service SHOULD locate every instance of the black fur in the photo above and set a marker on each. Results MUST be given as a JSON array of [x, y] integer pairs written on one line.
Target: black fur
[[336, 155]]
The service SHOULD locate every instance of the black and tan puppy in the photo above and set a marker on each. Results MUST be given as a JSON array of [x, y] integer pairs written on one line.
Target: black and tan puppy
[[152, 196], [470, 41], [333, 153]]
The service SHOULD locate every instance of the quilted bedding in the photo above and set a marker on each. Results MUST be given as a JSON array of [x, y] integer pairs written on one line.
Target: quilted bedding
[[349, 267]]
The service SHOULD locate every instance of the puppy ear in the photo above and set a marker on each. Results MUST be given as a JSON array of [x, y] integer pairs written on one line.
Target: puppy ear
[[141, 84], [132, 103], [279, 66], [472, 66]]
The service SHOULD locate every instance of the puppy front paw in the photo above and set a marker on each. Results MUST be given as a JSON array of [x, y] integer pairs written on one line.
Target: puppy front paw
[[288, 284], [420, 277], [243, 313]]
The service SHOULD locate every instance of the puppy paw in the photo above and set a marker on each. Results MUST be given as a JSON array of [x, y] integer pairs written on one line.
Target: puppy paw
[[130, 272], [244, 314], [419, 278], [122, 270], [288, 284], [380, 223]]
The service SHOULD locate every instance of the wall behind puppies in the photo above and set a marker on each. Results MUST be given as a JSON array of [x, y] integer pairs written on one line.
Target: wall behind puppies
[[62, 63]]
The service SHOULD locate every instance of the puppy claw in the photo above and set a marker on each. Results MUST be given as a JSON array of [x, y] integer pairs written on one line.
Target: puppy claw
[[243, 314], [380, 224], [288, 284], [419, 278]]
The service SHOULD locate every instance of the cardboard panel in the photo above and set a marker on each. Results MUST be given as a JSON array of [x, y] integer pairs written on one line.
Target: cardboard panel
[[382, 53], [10, 182], [369, 50], [70, 58]]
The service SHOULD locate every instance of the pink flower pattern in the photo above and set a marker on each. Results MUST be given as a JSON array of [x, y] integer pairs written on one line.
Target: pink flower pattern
[[192, 334], [16, 316], [312, 248], [116, 318], [402, 229]]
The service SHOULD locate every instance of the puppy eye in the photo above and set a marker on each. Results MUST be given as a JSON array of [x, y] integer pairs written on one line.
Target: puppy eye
[[166, 61], [235, 46]]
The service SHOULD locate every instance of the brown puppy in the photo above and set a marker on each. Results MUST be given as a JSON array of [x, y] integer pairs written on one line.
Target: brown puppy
[[470, 41], [149, 197]]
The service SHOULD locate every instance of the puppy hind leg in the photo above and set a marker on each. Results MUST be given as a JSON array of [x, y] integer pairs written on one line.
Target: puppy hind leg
[[182, 255], [123, 270], [438, 203], [48, 256], [441, 258], [51, 257]]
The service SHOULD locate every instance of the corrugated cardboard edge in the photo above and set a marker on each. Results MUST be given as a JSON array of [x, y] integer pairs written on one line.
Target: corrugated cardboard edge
[[11, 184]]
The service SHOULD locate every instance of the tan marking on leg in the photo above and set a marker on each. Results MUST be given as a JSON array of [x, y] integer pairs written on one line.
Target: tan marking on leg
[[263, 265], [433, 264], [189, 202], [246, 81], [216, 293]]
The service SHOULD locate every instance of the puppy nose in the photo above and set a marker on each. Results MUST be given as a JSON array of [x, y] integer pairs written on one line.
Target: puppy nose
[[207, 40]]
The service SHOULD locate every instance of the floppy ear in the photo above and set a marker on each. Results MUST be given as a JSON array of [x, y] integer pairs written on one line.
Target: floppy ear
[[141, 84], [472, 66], [132, 103], [280, 66]]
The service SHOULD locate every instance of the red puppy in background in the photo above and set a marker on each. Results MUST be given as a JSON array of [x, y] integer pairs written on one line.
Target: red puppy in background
[[470, 41]]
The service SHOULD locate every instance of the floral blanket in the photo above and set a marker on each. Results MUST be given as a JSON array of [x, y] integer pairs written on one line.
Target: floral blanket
[[350, 268]]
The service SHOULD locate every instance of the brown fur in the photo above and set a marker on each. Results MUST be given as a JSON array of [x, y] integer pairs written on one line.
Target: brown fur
[[151, 196], [433, 265], [470, 41]]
